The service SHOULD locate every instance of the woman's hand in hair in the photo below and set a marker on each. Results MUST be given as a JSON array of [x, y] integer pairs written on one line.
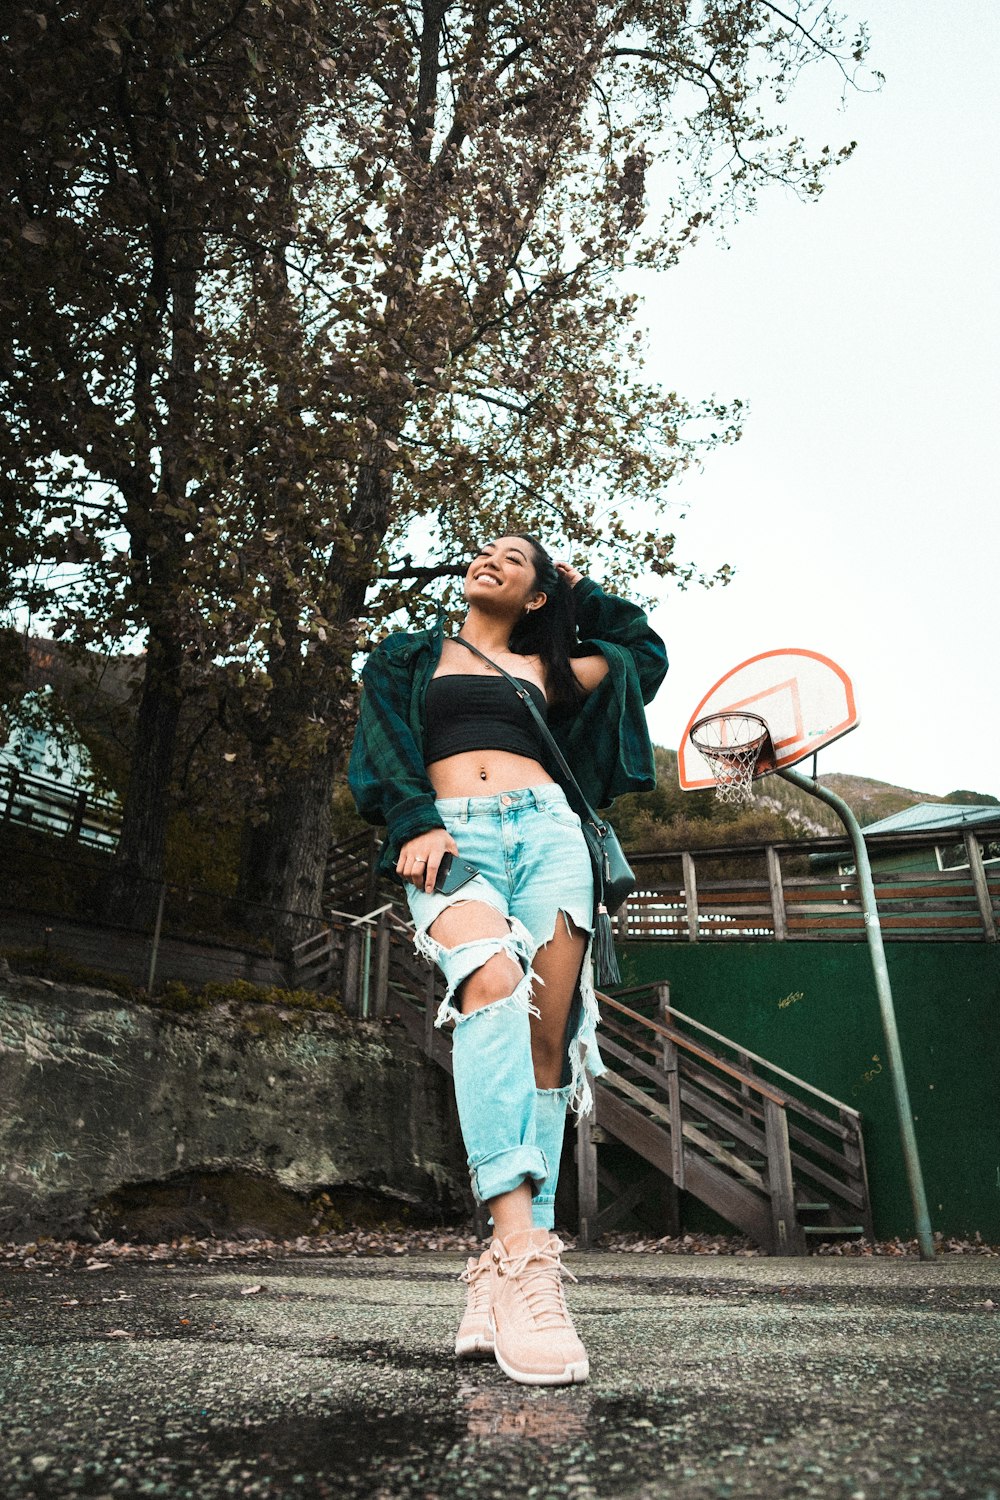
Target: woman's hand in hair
[[572, 575], [419, 857]]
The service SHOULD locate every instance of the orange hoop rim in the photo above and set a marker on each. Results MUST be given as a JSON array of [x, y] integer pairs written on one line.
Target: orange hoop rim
[[738, 748]]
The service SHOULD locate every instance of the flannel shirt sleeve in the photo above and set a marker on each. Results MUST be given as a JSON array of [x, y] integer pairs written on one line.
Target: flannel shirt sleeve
[[386, 771], [605, 617]]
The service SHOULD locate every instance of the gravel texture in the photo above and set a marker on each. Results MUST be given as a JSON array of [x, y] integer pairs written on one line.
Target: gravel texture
[[712, 1375]]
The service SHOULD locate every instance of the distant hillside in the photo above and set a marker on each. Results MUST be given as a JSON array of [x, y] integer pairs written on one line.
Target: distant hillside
[[809, 817], [777, 809], [871, 800]]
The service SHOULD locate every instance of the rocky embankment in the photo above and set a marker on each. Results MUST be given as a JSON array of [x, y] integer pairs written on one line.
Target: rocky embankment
[[121, 1119]]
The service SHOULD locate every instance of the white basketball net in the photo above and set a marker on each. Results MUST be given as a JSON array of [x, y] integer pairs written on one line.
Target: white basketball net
[[731, 743]]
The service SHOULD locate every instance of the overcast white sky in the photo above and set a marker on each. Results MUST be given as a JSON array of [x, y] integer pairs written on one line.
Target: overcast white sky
[[860, 508]]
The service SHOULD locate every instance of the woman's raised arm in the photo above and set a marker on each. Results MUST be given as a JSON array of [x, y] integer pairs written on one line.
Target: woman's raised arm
[[606, 617]]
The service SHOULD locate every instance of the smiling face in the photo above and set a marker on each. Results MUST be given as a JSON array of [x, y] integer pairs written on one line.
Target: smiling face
[[503, 573]]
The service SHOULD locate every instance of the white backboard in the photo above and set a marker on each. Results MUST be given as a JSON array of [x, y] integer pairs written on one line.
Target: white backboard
[[805, 699]]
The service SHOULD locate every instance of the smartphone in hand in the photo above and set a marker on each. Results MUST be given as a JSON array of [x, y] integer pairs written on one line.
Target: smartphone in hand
[[453, 873]]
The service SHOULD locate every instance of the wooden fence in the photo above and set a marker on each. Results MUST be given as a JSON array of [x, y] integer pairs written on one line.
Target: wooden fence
[[35, 802], [690, 896]]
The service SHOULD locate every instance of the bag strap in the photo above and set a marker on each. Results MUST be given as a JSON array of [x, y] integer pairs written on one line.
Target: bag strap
[[544, 729]]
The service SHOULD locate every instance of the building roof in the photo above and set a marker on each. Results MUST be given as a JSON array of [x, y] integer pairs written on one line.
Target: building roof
[[926, 817]]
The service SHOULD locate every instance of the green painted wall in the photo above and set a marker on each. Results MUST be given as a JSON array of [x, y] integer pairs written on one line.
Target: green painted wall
[[899, 861], [905, 861], [947, 1001]]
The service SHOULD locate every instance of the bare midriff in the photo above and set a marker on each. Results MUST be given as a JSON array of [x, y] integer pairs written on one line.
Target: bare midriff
[[462, 775]]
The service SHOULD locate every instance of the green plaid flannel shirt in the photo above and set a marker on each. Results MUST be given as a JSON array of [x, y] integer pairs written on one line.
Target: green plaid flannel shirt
[[606, 741]]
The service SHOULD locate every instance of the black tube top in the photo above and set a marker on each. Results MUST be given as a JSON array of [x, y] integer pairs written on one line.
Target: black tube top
[[470, 711]]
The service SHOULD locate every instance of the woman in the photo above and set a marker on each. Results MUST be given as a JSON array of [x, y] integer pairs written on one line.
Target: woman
[[448, 757]]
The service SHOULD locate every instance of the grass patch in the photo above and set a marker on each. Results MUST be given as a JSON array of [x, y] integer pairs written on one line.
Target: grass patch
[[179, 997], [41, 964], [175, 996]]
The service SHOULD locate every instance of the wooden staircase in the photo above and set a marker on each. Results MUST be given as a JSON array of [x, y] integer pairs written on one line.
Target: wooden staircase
[[770, 1153], [340, 952], [774, 1156], [351, 881]]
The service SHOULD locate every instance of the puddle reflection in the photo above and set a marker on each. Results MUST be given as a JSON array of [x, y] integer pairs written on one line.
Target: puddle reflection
[[549, 1416]]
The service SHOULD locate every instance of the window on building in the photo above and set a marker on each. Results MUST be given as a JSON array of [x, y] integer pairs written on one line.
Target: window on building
[[956, 856]]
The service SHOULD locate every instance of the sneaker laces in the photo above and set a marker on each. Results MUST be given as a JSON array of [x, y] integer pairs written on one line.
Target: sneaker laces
[[540, 1274], [477, 1278]]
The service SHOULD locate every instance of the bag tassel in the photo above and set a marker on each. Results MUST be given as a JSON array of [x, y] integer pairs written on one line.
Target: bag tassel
[[605, 959]]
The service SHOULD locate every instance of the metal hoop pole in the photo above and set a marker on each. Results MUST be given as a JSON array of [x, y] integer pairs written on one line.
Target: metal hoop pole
[[873, 929]]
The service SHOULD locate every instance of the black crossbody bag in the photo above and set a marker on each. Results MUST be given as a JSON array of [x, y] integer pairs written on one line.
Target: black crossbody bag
[[614, 880]]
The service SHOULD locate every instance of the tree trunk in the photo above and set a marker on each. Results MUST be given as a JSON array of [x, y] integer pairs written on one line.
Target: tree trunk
[[133, 887], [283, 857]]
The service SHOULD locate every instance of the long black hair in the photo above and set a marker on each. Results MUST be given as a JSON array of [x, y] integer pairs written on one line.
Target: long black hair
[[550, 632]]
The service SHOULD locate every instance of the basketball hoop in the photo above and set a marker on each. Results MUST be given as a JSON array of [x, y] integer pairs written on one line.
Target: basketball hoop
[[805, 700], [731, 744]]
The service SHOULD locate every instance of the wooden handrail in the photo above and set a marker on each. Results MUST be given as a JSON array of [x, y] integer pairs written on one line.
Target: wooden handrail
[[771, 904], [767, 1091], [942, 905], [350, 847], [772, 1067], [53, 806], [727, 1041], [632, 989], [671, 1034]]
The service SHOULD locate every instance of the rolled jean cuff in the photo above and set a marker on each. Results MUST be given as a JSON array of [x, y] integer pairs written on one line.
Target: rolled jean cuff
[[506, 1170], [550, 1125]]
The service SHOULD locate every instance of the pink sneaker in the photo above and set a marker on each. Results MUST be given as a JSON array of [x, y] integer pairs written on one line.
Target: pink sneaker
[[534, 1339], [475, 1336]]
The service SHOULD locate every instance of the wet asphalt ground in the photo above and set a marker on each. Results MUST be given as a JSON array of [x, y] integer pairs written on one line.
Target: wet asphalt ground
[[710, 1377]]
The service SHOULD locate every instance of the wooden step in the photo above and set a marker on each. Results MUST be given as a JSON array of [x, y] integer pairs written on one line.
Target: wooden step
[[828, 1229], [812, 1205]]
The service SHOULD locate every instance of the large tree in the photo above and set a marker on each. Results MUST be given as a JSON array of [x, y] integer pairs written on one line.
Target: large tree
[[303, 296]]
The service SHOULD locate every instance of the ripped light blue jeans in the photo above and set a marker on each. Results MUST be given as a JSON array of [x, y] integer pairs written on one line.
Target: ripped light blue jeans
[[533, 865]]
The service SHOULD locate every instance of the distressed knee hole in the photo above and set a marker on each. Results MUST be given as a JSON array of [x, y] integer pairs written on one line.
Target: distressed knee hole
[[494, 969], [465, 921], [564, 960], [493, 981]]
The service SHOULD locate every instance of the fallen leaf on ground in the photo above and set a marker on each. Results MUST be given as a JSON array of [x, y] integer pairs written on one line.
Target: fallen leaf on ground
[[459, 1240]]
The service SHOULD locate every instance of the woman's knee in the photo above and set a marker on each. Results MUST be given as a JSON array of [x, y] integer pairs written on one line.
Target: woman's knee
[[493, 981], [500, 972]]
